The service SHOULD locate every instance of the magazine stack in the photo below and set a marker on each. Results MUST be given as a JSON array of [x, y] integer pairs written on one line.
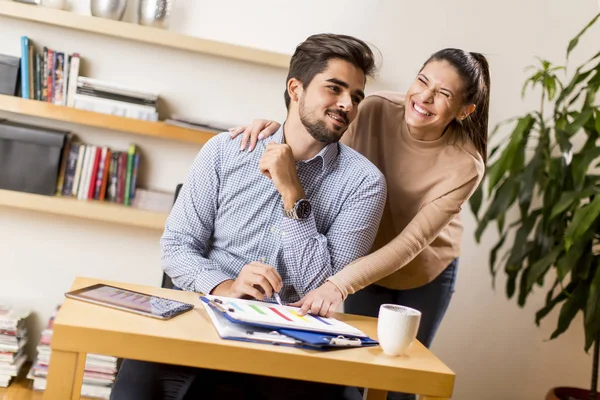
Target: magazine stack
[[98, 377], [13, 338]]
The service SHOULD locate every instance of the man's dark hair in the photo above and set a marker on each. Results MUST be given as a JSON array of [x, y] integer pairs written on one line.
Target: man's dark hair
[[312, 56]]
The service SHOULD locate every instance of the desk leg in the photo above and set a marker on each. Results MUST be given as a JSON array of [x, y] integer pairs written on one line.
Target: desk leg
[[374, 394], [65, 375]]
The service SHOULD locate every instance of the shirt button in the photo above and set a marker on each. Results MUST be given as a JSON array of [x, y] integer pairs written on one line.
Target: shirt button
[[283, 234], [272, 229], [263, 259]]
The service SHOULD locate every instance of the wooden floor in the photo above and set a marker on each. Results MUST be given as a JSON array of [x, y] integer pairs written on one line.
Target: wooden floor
[[20, 388]]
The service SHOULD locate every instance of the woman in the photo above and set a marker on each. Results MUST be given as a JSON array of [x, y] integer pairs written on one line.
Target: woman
[[431, 145]]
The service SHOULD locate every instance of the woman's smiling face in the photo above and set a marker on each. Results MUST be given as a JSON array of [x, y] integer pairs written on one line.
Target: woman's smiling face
[[433, 100]]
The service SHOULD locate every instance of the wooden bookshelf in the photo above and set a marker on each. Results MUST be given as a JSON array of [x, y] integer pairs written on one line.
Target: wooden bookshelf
[[87, 209], [46, 110], [130, 31]]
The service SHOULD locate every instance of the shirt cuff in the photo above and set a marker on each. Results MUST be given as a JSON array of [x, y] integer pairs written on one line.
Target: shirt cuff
[[208, 280], [293, 230]]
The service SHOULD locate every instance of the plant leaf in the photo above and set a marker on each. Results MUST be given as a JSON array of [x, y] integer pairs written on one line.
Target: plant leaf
[[530, 177], [583, 218], [569, 260], [569, 309], [567, 199], [520, 244], [575, 40], [550, 304], [592, 310], [538, 269], [503, 198], [500, 124], [550, 84], [505, 162], [576, 80], [562, 137], [501, 220], [476, 200], [597, 121], [581, 119], [493, 256], [523, 292], [581, 164], [511, 285]]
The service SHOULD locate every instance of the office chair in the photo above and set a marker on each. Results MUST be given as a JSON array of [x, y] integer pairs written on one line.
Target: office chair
[[166, 279]]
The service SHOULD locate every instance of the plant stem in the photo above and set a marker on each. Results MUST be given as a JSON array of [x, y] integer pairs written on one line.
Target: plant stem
[[594, 389], [542, 107]]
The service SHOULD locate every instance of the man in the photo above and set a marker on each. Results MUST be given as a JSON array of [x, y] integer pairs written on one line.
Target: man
[[280, 219]]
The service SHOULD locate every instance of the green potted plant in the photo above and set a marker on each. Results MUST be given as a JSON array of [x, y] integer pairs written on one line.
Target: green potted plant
[[544, 194]]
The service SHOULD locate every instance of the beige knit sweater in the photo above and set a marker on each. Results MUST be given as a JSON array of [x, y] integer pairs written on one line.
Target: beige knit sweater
[[428, 183]]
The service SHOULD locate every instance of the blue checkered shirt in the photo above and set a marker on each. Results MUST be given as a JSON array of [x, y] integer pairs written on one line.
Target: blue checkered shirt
[[228, 214]]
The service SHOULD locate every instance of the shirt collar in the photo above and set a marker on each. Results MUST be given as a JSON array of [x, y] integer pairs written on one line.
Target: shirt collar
[[327, 155]]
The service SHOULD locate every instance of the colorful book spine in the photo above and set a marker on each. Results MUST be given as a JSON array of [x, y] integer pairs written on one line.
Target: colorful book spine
[[136, 162], [113, 176], [45, 75], [100, 173], [105, 176], [31, 72], [24, 67], [63, 164], [50, 83], [130, 159], [59, 74], [71, 168]]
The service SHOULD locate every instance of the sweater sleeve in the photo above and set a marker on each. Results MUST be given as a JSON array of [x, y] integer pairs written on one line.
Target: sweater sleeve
[[418, 234]]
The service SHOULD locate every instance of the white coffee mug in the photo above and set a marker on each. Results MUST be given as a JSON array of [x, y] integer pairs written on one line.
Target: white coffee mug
[[397, 328]]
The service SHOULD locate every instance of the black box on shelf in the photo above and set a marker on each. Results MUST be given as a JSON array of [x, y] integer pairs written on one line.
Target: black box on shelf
[[9, 75], [30, 157]]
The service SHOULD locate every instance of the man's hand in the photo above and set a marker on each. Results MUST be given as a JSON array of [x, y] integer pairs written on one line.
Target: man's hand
[[256, 280], [277, 163], [322, 301]]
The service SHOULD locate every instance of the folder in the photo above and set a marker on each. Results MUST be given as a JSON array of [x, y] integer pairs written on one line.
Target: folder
[[273, 333]]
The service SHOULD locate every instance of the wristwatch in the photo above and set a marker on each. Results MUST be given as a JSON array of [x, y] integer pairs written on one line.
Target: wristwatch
[[300, 210]]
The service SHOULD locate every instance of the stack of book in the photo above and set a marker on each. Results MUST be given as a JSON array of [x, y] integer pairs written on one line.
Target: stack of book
[[55, 77], [109, 98], [198, 123], [98, 377], [90, 172], [13, 337]]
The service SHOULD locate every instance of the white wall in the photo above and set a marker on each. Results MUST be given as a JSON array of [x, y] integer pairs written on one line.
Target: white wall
[[493, 346]]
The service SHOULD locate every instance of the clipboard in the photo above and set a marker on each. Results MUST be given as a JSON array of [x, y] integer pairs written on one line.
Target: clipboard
[[275, 316], [233, 329]]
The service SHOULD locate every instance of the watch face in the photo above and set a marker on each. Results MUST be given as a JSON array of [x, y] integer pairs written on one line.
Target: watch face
[[303, 209]]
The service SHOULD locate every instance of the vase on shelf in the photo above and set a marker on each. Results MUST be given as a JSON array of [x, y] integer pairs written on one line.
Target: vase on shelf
[[111, 9], [155, 13]]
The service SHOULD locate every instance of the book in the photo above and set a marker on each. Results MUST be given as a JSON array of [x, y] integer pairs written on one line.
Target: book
[[24, 67], [111, 87], [129, 172], [73, 77], [11, 317]]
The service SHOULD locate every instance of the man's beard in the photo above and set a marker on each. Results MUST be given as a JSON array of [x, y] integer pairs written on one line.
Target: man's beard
[[318, 127]]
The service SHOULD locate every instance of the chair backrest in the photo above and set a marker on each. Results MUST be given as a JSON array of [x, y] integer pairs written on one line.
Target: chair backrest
[[166, 279], [177, 190]]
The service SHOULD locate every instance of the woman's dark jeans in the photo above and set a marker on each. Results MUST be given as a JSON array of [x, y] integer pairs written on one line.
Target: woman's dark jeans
[[431, 299]]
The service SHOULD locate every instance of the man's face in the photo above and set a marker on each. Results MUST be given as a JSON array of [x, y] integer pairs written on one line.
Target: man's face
[[330, 102]]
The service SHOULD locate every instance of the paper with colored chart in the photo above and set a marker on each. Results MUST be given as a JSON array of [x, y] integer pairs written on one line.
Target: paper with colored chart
[[273, 315]]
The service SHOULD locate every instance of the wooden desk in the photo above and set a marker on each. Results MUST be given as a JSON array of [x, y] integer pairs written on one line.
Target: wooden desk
[[190, 339]]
